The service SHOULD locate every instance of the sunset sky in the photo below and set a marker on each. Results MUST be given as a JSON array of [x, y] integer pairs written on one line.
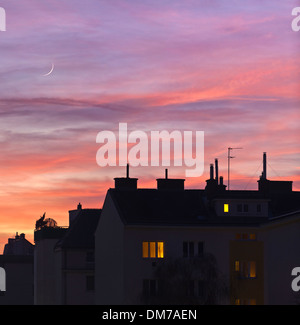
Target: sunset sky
[[228, 68]]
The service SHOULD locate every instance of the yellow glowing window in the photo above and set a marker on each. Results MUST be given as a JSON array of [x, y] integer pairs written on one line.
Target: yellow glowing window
[[237, 265], [153, 249], [237, 301], [145, 249], [226, 207], [252, 273], [160, 250], [252, 236]]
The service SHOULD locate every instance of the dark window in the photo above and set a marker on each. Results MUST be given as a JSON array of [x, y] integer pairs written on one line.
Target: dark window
[[239, 208], [258, 208], [246, 208], [90, 257], [201, 288], [149, 287], [200, 248], [90, 283], [191, 249], [185, 249], [190, 288]]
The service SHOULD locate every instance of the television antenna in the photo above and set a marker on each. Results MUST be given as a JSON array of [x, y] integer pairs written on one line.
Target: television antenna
[[230, 157]]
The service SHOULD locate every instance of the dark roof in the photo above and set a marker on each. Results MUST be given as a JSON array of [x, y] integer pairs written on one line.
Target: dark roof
[[80, 234], [192, 207], [144, 206]]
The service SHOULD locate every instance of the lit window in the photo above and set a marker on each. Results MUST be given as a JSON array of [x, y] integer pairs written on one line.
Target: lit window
[[252, 273], [153, 249], [252, 236], [245, 269], [145, 249], [226, 207], [160, 250], [237, 301], [237, 265]]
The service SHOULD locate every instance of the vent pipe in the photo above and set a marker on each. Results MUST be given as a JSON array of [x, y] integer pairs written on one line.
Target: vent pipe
[[217, 170], [264, 175], [211, 171]]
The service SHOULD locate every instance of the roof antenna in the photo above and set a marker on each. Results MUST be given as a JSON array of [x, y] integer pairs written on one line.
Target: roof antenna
[[230, 157]]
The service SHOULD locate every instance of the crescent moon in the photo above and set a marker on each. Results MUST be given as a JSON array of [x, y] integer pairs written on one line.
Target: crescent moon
[[47, 74]]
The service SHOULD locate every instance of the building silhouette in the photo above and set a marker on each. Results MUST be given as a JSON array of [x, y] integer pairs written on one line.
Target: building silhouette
[[151, 245], [253, 236], [17, 261], [64, 260]]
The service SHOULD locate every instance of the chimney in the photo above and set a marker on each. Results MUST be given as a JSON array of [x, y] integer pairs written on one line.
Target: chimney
[[211, 171], [170, 183], [264, 174], [126, 183], [217, 170], [74, 213]]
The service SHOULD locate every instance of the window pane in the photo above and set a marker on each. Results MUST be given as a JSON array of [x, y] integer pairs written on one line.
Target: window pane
[[146, 288], [252, 236], [191, 249], [200, 248], [152, 249], [185, 249], [152, 288], [90, 283], [252, 269], [160, 250], [236, 265], [226, 207], [145, 249]]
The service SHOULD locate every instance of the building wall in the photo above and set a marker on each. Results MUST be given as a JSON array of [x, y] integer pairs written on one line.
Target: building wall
[[216, 242], [282, 242], [247, 270], [19, 280], [109, 256], [73, 271], [45, 275]]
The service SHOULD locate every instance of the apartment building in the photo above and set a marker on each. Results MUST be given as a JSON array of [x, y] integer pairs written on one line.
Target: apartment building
[[251, 237]]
